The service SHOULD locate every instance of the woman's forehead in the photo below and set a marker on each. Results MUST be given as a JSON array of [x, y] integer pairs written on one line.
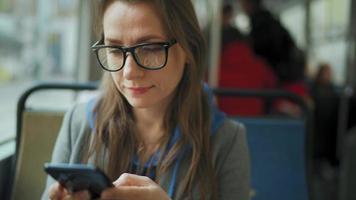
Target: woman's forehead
[[133, 12], [138, 20]]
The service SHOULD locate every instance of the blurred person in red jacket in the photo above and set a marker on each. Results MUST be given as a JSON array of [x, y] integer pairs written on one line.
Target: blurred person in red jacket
[[240, 68], [273, 42]]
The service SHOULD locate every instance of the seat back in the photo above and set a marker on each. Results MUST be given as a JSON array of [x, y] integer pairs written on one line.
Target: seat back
[[280, 149], [277, 153], [39, 132]]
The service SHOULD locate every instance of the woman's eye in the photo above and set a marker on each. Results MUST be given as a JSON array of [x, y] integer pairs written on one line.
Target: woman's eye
[[152, 48], [114, 51]]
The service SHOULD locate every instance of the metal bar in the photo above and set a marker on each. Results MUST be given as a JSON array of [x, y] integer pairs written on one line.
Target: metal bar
[[271, 94]]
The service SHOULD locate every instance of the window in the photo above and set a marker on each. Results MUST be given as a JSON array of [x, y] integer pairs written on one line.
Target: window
[[38, 42], [329, 23], [292, 16], [209, 18]]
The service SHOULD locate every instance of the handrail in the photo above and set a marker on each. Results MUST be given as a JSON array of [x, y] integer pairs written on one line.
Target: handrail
[[270, 94], [46, 86]]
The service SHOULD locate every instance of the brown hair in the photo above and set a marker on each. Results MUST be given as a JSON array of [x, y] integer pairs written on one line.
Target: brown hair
[[114, 122]]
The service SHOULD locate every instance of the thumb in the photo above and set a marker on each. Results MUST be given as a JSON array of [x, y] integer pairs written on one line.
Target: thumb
[[57, 191]]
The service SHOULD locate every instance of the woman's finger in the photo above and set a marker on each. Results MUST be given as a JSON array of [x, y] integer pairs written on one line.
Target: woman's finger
[[151, 192], [81, 195], [132, 180], [131, 186], [57, 192]]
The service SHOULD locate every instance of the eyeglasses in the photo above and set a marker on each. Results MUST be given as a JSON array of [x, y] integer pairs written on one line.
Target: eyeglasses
[[150, 56]]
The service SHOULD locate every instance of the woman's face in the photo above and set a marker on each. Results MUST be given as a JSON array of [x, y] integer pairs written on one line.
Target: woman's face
[[128, 24]]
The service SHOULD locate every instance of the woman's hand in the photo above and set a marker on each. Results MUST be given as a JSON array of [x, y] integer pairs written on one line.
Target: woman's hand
[[58, 192], [130, 186]]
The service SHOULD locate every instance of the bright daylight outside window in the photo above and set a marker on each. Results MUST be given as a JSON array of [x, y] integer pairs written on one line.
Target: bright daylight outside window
[[38, 41]]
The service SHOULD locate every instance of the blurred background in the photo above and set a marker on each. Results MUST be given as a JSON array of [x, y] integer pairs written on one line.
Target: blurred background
[[43, 40], [50, 40]]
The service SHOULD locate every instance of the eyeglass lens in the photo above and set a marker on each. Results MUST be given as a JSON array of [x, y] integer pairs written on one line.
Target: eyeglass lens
[[149, 56]]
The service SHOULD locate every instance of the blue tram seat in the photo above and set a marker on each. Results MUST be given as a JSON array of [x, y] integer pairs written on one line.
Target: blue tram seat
[[280, 148], [277, 150]]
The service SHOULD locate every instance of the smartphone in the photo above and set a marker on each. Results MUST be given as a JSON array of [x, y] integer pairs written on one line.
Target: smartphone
[[76, 177]]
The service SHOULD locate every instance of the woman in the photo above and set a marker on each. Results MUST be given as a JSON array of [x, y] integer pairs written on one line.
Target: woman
[[152, 129]]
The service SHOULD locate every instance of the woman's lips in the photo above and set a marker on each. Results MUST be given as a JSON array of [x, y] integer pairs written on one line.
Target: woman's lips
[[139, 90]]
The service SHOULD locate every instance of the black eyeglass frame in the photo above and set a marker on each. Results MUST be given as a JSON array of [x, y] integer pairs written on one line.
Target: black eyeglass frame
[[98, 45]]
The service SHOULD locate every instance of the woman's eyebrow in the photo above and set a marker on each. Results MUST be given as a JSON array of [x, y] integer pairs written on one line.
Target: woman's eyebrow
[[112, 41], [146, 38]]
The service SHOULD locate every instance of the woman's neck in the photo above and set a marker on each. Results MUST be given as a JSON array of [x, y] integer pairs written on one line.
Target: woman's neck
[[150, 126]]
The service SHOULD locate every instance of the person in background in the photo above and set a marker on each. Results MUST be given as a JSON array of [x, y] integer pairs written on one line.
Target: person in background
[[272, 41], [153, 129], [240, 68], [326, 103]]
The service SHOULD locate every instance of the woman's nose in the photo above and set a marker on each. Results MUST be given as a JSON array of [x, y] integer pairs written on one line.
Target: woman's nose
[[131, 69]]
